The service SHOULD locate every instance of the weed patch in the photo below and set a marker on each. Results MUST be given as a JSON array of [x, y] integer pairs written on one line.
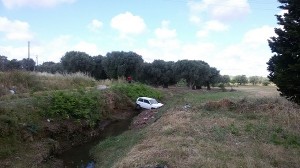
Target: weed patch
[[283, 137], [77, 104], [133, 91]]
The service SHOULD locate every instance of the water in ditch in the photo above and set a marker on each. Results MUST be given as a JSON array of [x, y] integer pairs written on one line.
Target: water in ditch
[[79, 156]]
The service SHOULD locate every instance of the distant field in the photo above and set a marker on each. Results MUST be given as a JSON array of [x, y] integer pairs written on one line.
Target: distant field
[[250, 127], [259, 91]]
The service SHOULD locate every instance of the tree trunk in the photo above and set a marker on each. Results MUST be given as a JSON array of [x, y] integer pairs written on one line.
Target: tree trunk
[[208, 86], [165, 85], [193, 87]]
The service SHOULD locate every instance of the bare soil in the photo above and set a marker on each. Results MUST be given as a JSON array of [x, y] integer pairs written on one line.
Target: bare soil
[[144, 118]]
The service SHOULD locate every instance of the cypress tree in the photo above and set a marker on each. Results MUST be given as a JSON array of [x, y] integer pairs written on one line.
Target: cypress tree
[[284, 65]]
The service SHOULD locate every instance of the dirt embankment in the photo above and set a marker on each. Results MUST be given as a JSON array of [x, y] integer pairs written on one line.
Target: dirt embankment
[[54, 136]]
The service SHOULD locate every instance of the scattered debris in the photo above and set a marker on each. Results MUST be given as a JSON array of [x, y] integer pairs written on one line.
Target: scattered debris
[[187, 106]]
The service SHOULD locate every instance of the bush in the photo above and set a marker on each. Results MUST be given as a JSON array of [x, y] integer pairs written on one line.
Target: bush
[[133, 91], [181, 83], [78, 104], [222, 87], [266, 83]]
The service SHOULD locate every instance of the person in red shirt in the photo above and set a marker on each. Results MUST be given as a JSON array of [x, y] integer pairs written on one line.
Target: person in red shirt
[[129, 79]]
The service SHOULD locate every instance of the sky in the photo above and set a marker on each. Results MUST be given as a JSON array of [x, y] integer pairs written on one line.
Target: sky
[[230, 35]]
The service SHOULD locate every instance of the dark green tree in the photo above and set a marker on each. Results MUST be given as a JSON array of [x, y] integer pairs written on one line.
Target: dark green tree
[[122, 64], [3, 63], [240, 79], [196, 73], [45, 67], [76, 61], [254, 80], [158, 73], [50, 67], [98, 71], [225, 79], [213, 77], [284, 66], [28, 64], [14, 65]]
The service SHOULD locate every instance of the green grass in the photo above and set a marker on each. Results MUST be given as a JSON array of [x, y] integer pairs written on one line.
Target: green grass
[[109, 151], [197, 98]]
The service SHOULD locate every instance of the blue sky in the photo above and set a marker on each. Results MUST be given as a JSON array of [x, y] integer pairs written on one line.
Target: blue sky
[[230, 35]]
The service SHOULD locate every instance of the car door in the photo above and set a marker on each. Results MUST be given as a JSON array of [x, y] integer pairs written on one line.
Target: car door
[[147, 104]]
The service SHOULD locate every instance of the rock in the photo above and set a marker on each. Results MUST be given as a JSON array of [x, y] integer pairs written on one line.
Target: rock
[[12, 91], [102, 87]]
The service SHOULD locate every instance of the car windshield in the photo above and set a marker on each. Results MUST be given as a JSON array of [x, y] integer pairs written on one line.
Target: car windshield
[[153, 101]]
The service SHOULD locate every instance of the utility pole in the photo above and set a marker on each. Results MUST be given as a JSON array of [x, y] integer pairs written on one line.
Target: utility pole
[[37, 61], [28, 49]]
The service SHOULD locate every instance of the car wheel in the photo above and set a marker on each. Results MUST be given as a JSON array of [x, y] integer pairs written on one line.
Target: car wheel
[[137, 107]]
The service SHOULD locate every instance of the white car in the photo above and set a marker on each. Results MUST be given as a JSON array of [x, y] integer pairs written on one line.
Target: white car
[[147, 103]]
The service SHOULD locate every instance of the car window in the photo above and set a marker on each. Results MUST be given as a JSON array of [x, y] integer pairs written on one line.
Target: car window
[[153, 101], [140, 99], [147, 101]]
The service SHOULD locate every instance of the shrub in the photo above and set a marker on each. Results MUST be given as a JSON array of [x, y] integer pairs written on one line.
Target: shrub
[[78, 104], [181, 83], [133, 91], [222, 87], [266, 83]]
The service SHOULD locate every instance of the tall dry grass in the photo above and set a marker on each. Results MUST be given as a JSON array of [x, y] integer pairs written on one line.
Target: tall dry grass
[[26, 82]]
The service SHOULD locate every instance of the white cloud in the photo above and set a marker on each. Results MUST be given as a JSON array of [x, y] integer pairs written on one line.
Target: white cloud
[[202, 33], [258, 36], [198, 51], [248, 57], [282, 12], [127, 23], [33, 3], [15, 29], [212, 25], [215, 25], [14, 52], [165, 40], [229, 9], [50, 51], [195, 19], [166, 46], [164, 32], [95, 25], [222, 10], [89, 48], [65, 43]]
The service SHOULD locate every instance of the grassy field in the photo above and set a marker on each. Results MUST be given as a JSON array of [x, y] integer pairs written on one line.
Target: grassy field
[[250, 127]]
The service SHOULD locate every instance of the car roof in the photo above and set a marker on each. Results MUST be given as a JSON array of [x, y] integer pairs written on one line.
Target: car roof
[[147, 98]]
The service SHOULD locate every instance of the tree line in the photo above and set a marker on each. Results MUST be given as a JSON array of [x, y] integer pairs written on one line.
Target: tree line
[[119, 64], [14, 64]]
